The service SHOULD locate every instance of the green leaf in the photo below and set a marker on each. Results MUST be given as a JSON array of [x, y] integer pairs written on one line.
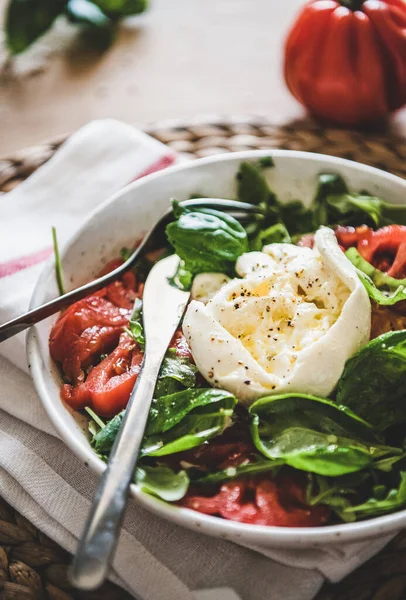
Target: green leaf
[[296, 217], [252, 185], [58, 264], [273, 234], [183, 278], [373, 507], [162, 482], [260, 466], [98, 25], [207, 240], [103, 441], [176, 373], [135, 328], [27, 20], [313, 434], [122, 8], [373, 279], [333, 204], [187, 419], [336, 492], [329, 183], [373, 382]]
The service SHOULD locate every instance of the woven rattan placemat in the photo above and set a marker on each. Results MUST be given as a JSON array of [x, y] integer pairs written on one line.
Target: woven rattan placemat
[[32, 567]]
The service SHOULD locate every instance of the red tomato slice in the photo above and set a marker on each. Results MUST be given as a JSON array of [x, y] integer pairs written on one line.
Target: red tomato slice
[[109, 384], [385, 248], [261, 500], [85, 330]]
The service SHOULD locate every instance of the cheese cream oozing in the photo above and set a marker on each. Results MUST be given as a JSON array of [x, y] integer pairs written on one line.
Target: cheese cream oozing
[[288, 325]]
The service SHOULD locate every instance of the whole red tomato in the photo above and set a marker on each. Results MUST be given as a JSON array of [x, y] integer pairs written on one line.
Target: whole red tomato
[[346, 60]]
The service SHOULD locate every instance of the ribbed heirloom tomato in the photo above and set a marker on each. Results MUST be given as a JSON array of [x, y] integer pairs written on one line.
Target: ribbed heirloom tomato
[[345, 60]]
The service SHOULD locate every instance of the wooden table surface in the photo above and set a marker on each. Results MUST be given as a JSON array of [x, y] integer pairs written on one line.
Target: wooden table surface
[[182, 58]]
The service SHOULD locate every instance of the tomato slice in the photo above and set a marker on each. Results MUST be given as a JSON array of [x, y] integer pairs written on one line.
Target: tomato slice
[[261, 500], [85, 330], [108, 385], [385, 248]]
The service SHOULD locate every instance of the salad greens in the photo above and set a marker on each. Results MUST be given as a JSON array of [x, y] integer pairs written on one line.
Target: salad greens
[[206, 239], [394, 290], [162, 482], [373, 381], [313, 434], [186, 419], [58, 264], [135, 328], [350, 447]]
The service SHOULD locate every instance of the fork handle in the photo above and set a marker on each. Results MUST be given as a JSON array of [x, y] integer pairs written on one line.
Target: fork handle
[[99, 539]]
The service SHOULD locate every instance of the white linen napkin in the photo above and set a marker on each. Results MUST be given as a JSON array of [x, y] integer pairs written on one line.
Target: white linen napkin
[[39, 475]]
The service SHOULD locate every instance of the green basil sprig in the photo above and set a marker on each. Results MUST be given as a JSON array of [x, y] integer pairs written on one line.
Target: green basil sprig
[[206, 240], [373, 382], [313, 434], [27, 20]]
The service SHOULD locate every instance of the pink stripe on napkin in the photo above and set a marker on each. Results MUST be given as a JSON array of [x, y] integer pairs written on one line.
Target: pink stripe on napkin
[[14, 265], [165, 161], [10, 267]]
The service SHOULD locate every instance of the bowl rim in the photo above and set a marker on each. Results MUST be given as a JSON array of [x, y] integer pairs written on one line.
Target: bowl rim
[[215, 526]]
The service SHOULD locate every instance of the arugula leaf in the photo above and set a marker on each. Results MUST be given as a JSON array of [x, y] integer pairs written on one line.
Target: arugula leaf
[[186, 419], [375, 506], [162, 482], [329, 183], [373, 279], [373, 381], [58, 264], [336, 492], [334, 203], [176, 373], [27, 20], [313, 434], [206, 240], [103, 440], [135, 327], [260, 466]]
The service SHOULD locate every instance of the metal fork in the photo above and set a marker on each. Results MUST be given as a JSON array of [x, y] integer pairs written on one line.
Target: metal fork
[[239, 210]]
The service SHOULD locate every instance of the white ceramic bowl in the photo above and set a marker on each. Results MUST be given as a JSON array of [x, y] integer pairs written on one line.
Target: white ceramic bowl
[[123, 219]]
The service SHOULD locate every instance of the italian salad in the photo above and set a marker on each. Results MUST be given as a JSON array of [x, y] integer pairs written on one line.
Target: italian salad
[[281, 400]]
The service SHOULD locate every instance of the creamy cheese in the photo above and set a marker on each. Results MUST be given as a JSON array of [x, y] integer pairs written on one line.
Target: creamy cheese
[[287, 325]]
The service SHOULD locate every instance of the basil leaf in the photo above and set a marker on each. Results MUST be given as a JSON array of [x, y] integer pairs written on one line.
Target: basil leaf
[[103, 440], [313, 434], [122, 8], [336, 492], [176, 373], [186, 419], [162, 482], [374, 380], [260, 466], [394, 500], [135, 327], [207, 240], [183, 278], [27, 20]]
